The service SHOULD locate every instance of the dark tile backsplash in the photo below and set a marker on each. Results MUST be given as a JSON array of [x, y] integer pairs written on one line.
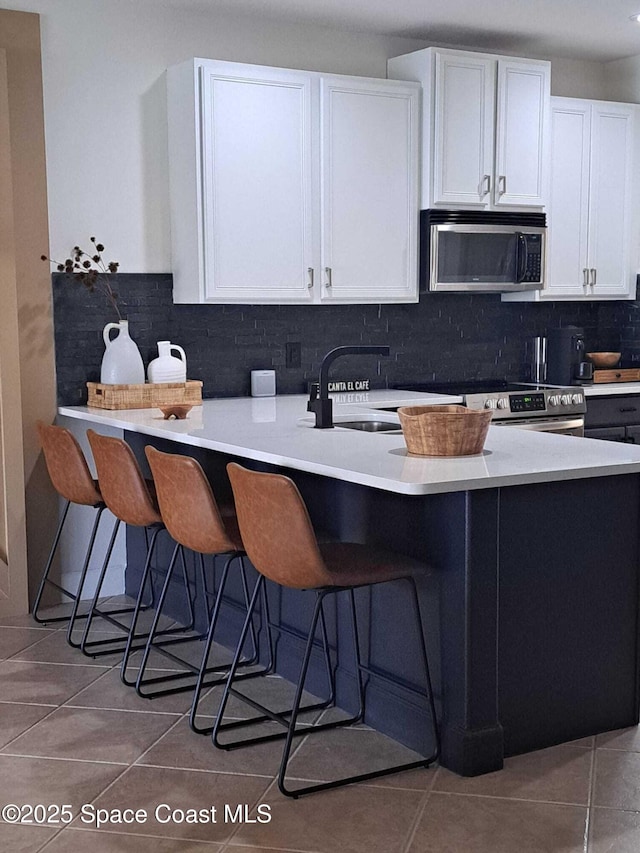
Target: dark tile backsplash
[[443, 337]]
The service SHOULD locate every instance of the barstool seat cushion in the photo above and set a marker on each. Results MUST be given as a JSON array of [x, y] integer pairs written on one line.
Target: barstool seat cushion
[[352, 564]]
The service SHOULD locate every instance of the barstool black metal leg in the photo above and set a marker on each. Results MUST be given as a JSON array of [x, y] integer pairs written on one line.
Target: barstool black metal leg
[[156, 619], [45, 575], [147, 577], [214, 595], [187, 590], [265, 713], [298, 697], [234, 665], [252, 628], [113, 645], [270, 668], [252, 661], [200, 683], [362, 777], [331, 669], [205, 586], [83, 575], [103, 571], [358, 657]]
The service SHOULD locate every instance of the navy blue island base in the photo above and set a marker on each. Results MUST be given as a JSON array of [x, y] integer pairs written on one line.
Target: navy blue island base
[[530, 607]]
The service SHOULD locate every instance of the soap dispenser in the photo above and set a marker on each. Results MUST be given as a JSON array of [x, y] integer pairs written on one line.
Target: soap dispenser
[[168, 368]]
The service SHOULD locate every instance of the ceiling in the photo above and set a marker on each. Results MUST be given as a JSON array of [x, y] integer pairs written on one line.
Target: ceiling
[[580, 29]]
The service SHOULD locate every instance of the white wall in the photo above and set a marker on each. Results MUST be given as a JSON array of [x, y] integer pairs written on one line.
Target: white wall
[[573, 78], [105, 114], [623, 79]]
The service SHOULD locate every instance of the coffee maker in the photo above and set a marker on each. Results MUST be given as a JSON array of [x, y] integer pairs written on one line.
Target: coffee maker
[[566, 362]]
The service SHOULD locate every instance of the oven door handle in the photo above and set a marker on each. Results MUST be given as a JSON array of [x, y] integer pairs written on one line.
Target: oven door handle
[[522, 255], [544, 425]]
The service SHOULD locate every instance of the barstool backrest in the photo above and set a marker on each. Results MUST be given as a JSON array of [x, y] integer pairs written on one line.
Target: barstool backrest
[[276, 529], [67, 466], [123, 487], [188, 507]]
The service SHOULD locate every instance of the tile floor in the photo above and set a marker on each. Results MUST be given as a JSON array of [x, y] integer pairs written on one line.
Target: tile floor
[[71, 733]]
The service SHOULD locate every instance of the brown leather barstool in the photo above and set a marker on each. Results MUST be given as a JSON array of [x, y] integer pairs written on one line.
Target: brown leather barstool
[[71, 478], [132, 501], [290, 555], [194, 521]]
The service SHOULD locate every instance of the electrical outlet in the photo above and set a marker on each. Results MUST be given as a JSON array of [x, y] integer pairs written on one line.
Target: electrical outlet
[[293, 354]]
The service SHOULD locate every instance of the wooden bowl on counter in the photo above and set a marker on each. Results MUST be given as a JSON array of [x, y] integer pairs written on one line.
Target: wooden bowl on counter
[[604, 359], [444, 430], [176, 411]]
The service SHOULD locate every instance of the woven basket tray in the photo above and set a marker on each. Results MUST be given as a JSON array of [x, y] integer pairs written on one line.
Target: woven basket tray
[[151, 395], [444, 430]]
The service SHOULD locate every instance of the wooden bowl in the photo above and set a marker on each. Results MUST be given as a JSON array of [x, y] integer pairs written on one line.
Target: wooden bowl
[[178, 412], [444, 430], [604, 359]]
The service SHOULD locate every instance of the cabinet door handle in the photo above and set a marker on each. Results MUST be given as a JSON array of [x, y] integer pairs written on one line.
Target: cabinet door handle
[[328, 282], [585, 277], [310, 284], [502, 185], [593, 276], [485, 187], [627, 409]]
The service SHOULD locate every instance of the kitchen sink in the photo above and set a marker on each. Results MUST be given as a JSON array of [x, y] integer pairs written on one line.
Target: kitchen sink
[[365, 422], [371, 426]]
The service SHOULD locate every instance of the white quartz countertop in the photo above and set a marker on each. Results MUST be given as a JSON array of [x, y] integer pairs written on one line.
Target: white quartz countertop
[[608, 389], [278, 430]]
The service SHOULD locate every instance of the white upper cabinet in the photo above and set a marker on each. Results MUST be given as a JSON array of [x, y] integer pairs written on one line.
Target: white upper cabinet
[[257, 184], [593, 223], [610, 241], [369, 194], [524, 92], [463, 129], [290, 186], [567, 264], [485, 127]]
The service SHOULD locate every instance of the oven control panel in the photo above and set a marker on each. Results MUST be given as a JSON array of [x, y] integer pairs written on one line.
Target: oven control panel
[[524, 403], [550, 402]]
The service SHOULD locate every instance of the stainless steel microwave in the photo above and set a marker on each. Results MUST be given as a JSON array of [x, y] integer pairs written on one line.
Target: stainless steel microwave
[[482, 251]]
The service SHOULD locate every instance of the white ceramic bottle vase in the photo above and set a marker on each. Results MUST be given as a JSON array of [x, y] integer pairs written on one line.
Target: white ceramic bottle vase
[[168, 368], [122, 362]]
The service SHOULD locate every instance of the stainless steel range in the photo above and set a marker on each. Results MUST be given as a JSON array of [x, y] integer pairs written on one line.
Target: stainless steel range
[[544, 408]]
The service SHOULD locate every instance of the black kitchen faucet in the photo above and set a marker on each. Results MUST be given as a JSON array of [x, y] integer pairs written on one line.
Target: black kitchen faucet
[[319, 401]]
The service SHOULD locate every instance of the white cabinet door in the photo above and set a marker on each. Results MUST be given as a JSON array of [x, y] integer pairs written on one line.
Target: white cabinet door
[[567, 267], [257, 184], [609, 209], [593, 217], [369, 190], [272, 182], [521, 130], [463, 128]]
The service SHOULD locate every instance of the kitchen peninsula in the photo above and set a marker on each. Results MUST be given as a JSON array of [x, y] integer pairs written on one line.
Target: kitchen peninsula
[[532, 601]]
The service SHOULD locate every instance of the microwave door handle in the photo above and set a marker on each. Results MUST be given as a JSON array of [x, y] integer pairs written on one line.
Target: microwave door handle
[[522, 253]]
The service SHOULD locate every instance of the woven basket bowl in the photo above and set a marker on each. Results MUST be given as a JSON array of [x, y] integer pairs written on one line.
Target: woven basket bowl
[[444, 430]]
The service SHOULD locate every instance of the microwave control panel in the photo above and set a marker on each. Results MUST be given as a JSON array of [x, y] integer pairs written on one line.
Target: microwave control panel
[[533, 269]]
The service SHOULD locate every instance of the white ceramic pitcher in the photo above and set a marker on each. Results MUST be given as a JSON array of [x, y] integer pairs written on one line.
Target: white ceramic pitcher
[[122, 362], [168, 368]]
